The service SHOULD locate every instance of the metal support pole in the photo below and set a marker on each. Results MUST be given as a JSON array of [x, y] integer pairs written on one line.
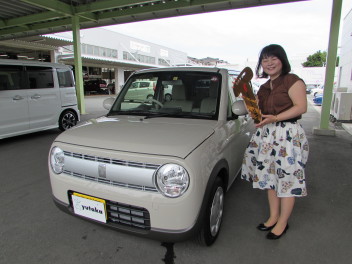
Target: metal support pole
[[331, 63], [78, 64]]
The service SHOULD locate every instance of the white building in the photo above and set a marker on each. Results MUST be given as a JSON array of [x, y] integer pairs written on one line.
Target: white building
[[110, 55], [345, 79]]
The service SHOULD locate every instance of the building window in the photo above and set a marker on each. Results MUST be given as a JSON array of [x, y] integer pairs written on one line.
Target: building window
[[96, 51], [138, 57], [164, 62], [84, 49], [114, 53], [90, 49]]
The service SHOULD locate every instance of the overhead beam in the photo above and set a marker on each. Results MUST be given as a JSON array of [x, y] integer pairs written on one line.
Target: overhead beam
[[52, 5], [141, 10], [60, 10], [52, 24], [109, 4], [20, 21], [56, 9]]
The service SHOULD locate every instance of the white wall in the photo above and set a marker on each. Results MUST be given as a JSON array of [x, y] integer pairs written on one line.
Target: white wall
[[345, 79], [113, 40], [314, 75], [311, 75]]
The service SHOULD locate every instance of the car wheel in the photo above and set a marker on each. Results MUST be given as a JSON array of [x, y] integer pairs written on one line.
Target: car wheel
[[150, 96], [67, 120], [213, 215]]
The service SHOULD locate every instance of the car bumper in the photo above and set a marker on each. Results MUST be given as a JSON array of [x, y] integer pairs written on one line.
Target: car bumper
[[170, 220], [153, 233]]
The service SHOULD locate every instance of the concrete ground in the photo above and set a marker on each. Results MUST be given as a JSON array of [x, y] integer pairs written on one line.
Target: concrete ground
[[33, 230]]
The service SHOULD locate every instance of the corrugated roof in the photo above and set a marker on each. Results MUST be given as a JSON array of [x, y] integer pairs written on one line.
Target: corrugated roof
[[95, 61]]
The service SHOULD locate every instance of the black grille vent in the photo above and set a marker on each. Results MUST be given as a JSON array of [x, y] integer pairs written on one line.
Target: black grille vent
[[132, 216]]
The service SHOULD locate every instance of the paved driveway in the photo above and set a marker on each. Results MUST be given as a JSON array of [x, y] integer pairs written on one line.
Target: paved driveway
[[33, 230]]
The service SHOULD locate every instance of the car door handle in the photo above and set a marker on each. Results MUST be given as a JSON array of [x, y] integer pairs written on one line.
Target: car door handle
[[17, 98], [36, 96]]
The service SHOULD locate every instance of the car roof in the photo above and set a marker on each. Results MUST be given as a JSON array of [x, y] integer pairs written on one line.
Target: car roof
[[182, 68], [33, 63]]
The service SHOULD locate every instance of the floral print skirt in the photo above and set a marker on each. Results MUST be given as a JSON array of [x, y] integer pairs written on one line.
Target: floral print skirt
[[276, 157]]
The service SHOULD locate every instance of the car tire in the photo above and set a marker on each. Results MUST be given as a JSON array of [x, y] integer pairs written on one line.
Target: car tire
[[67, 120], [213, 215]]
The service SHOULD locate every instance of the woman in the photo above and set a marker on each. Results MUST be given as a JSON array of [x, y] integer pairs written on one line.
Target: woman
[[278, 151]]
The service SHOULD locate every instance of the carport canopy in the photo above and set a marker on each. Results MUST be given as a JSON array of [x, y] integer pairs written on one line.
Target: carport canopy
[[29, 18]]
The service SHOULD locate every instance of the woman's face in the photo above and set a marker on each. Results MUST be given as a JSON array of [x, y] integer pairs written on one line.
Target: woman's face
[[272, 66]]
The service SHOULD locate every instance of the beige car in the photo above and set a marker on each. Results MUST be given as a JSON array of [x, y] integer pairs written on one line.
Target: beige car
[[154, 167]]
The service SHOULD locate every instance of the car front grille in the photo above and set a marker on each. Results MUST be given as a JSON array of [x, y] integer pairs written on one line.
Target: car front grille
[[112, 161], [119, 214], [109, 182], [119, 173]]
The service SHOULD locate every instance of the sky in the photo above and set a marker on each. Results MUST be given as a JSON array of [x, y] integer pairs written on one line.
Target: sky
[[236, 36]]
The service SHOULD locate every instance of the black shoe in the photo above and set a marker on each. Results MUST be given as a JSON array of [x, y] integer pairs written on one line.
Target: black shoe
[[263, 227], [272, 236]]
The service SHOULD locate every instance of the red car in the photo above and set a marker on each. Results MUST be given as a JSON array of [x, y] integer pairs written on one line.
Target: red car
[[97, 86]]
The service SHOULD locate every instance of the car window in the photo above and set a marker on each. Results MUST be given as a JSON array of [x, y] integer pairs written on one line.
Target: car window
[[180, 94], [40, 77], [144, 84], [65, 78], [11, 77]]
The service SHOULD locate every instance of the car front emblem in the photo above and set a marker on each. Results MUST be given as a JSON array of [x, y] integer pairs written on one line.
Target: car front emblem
[[102, 170]]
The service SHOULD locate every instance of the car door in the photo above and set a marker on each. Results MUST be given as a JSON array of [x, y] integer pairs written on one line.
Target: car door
[[240, 130], [146, 90], [43, 98], [14, 116]]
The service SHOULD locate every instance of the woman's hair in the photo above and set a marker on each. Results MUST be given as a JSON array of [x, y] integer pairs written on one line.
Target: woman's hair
[[273, 50]]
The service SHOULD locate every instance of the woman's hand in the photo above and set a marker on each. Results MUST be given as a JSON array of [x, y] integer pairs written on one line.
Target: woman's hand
[[267, 119]]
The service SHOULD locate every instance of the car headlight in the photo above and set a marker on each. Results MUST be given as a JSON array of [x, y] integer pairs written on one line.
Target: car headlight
[[172, 180], [57, 160]]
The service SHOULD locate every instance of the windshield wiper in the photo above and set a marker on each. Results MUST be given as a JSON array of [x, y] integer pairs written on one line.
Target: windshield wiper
[[152, 115], [177, 114], [134, 112]]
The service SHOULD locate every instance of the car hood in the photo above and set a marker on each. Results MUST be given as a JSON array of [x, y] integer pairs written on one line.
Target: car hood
[[158, 136]]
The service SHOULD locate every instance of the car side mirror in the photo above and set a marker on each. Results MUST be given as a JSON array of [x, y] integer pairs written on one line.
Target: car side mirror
[[239, 108], [108, 102]]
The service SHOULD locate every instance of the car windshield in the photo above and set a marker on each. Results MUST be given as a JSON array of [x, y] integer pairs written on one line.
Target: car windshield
[[174, 94]]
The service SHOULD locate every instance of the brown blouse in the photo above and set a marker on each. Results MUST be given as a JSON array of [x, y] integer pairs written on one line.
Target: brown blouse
[[277, 100]]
